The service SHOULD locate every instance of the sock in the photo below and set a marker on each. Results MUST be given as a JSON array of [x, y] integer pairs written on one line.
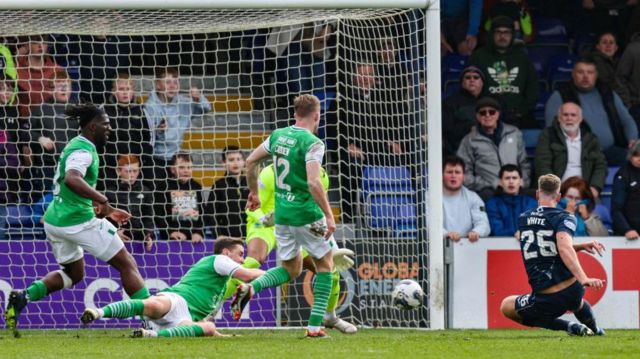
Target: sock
[[141, 294], [553, 324], [321, 292], [193, 330], [335, 294], [585, 316], [272, 278], [124, 309], [233, 283], [36, 291]]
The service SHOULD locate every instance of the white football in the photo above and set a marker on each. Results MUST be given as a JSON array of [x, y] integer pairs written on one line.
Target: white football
[[407, 295]]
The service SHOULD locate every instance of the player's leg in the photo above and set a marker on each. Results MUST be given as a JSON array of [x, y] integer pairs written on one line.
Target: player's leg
[[154, 307], [322, 288], [585, 315], [70, 256], [531, 311], [129, 275]]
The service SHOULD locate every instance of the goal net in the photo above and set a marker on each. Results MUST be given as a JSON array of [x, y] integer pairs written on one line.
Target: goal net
[[186, 91]]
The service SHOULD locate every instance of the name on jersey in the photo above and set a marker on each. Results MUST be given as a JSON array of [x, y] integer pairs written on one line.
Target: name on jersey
[[287, 140], [532, 221], [281, 150]]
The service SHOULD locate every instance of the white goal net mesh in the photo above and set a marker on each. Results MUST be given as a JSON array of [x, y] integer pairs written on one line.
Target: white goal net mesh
[[185, 89]]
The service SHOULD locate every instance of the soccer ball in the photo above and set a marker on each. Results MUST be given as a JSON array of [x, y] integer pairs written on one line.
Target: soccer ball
[[407, 295]]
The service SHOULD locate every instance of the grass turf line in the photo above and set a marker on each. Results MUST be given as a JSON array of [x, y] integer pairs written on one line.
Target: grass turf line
[[367, 343]]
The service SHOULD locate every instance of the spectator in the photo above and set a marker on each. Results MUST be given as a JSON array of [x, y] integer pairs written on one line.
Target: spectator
[[604, 56], [459, 26], [180, 207], [568, 148], [459, 109], [464, 213], [628, 74], [228, 197], [508, 203], [601, 107], [578, 200], [35, 70], [509, 74], [517, 11], [51, 129], [625, 200], [12, 134], [8, 69], [129, 129], [169, 116], [610, 15], [127, 193], [488, 146]]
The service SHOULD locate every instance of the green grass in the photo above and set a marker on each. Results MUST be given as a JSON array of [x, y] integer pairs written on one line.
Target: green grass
[[368, 343]]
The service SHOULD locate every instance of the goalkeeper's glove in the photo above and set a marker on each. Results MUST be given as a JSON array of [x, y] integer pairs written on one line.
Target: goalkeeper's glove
[[269, 219], [318, 229], [342, 259]]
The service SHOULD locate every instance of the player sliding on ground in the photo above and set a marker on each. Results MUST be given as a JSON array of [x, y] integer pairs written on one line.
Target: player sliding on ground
[[180, 310], [555, 275], [261, 240], [302, 213], [70, 221]]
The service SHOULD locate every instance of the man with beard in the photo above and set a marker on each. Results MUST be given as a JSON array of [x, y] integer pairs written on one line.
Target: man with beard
[[568, 148], [75, 221]]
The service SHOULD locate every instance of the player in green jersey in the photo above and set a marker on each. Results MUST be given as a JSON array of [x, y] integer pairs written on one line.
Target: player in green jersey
[[261, 240], [180, 310], [75, 220], [303, 216]]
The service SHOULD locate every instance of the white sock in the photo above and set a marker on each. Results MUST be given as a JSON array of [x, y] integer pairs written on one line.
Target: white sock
[[101, 312], [313, 329]]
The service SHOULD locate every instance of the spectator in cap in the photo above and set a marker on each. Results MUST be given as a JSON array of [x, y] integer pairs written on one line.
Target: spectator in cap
[[459, 109], [490, 145], [625, 200], [509, 74]]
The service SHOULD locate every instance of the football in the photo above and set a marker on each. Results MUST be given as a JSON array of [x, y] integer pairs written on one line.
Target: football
[[407, 295]]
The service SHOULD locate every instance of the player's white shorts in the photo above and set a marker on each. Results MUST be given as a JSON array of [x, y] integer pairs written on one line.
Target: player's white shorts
[[178, 313], [97, 236], [290, 239]]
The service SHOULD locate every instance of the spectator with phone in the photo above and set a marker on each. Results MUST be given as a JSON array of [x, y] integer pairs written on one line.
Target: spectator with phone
[[578, 200]]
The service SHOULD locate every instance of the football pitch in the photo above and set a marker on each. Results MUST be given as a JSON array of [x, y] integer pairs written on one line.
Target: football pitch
[[367, 343]]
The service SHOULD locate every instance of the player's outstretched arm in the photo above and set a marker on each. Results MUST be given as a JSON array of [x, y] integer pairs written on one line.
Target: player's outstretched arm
[[253, 171], [592, 247], [317, 191], [570, 259], [247, 274]]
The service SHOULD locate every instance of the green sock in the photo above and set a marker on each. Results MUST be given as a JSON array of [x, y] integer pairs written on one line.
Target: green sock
[[272, 278], [335, 291], [141, 294], [232, 284], [321, 292], [36, 291], [193, 330], [124, 309]]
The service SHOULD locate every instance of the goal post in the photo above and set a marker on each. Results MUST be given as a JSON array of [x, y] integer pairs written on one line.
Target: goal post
[[238, 68]]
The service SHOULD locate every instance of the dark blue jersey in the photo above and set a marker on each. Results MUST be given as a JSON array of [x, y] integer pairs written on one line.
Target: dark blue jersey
[[538, 228]]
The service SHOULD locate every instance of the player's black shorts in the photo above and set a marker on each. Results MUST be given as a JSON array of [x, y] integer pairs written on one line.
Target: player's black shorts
[[550, 306]]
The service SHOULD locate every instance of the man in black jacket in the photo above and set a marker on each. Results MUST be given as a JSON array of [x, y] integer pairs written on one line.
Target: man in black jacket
[[228, 197], [128, 193], [459, 109]]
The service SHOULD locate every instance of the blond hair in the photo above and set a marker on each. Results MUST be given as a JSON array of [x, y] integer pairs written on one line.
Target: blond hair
[[549, 185], [305, 105]]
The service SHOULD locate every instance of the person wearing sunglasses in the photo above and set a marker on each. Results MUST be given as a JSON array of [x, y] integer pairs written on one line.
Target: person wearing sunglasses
[[490, 145]]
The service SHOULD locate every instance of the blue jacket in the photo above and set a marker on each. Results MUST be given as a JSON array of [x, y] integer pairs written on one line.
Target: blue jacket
[[503, 211]]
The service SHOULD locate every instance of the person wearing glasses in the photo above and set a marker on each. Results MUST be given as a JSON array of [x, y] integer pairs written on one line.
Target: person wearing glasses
[[490, 145], [459, 109]]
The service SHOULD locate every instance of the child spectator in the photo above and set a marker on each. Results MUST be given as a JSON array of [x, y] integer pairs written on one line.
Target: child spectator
[[507, 204]]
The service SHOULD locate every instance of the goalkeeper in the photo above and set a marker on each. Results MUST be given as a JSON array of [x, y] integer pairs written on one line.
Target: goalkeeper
[[182, 310], [261, 240]]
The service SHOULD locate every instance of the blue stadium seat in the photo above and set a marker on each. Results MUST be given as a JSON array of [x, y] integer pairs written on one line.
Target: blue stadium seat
[[386, 179], [605, 215], [550, 30], [450, 88], [560, 68], [326, 99], [452, 66], [543, 97], [608, 183], [584, 42], [19, 216], [396, 212], [530, 137]]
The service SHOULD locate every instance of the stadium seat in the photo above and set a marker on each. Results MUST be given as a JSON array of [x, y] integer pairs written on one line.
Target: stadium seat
[[376, 179], [396, 212], [452, 66], [608, 183], [544, 54], [584, 42], [450, 88], [604, 213], [531, 140], [550, 31], [543, 96], [560, 68]]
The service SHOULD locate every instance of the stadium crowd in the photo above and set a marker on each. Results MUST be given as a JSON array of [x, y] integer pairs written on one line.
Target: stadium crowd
[[529, 88]]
